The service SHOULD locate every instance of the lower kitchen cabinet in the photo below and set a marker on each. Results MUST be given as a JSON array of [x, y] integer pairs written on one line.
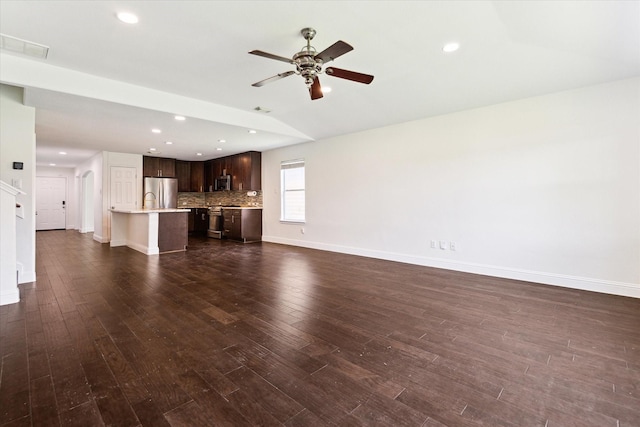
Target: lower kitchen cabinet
[[198, 220], [244, 225], [172, 232]]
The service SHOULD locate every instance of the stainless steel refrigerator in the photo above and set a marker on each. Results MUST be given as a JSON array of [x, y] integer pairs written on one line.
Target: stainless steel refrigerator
[[160, 193]]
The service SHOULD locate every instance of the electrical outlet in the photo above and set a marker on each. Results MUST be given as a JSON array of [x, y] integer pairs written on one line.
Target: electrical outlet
[[433, 244], [452, 246], [443, 244], [302, 230]]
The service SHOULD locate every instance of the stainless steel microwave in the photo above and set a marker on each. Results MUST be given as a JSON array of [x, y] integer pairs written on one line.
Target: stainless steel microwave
[[222, 183]]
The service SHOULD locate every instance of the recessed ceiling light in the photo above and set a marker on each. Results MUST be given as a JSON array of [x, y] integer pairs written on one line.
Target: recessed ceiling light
[[180, 118], [198, 154], [168, 142], [156, 130], [218, 149], [252, 131], [52, 164], [127, 17], [326, 89], [222, 140], [152, 149], [451, 47], [62, 152]]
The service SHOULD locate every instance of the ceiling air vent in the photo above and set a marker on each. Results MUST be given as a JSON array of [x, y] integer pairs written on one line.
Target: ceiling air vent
[[23, 47]]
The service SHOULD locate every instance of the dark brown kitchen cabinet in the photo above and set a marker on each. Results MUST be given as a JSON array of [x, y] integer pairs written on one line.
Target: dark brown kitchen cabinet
[[183, 173], [220, 167], [247, 171], [190, 176], [197, 177], [208, 175], [173, 235], [158, 166], [244, 225], [201, 220], [198, 220], [150, 166], [214, 169], [167, 167]]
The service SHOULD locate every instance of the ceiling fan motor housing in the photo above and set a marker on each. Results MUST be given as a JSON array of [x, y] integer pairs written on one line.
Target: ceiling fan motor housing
[[307, 65]]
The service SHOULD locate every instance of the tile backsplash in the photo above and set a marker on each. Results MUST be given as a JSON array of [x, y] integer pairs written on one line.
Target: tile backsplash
[[203, 200]]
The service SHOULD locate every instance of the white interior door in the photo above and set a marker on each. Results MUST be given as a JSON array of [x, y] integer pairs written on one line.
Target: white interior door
[[123, 187], [51, 200]]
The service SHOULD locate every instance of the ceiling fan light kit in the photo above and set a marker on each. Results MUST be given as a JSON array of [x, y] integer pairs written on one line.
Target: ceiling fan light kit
[[309, 64]]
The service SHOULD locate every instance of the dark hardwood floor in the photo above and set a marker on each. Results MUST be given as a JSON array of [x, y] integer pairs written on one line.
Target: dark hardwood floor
[[228, 334]]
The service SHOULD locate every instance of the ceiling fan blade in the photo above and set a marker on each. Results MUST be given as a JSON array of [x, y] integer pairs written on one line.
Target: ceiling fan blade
[[273, 79], [271, 56], [315, 90], [349, 75], [337, 49]]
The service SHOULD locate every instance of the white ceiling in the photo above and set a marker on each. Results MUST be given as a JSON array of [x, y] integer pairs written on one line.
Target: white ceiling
[[105, 84]]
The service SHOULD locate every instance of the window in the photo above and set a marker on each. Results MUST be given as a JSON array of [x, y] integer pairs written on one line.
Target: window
[[292, 182]]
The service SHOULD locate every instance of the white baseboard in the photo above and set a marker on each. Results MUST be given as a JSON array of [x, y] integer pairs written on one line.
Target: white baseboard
[[114, 243], [144, 249], [24, 276], [10, 297], [99, 238], [27, 277], [554, 279]]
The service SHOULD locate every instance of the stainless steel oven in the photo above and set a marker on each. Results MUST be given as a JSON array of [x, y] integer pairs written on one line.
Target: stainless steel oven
[[215, 222]]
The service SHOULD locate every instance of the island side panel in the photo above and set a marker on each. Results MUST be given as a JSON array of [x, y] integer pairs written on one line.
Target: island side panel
[[143, 233], [173, 231], [119, 229]]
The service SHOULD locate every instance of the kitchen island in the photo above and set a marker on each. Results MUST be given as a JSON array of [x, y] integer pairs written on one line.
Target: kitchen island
[[150, 231]]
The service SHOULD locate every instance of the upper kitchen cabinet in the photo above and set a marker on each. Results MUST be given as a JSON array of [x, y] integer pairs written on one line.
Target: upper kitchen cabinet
[[208, 175], [190, 176], [167, 167], [158, 166], [223, 166], [183, 173], [246, 171], [197, 176]]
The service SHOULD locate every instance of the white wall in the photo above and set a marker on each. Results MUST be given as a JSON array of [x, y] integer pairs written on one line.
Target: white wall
[[72, 198], [94, 164], [17, 144], [9, 213], [545, 189], [118, 160], [100, 165], [86, 204]]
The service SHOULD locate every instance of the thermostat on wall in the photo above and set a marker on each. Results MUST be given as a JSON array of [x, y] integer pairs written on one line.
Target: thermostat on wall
[[18, 165]]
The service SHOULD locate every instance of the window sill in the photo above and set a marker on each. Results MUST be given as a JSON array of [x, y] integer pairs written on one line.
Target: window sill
[[288, 221]]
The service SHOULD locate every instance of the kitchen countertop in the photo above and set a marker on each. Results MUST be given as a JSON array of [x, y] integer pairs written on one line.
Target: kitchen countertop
[[225, 207], [148, 211]]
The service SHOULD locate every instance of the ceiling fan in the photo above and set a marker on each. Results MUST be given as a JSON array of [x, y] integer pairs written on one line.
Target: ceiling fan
[[309, 64]]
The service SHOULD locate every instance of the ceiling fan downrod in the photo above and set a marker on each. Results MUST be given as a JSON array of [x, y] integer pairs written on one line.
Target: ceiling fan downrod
[[307, 64]]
